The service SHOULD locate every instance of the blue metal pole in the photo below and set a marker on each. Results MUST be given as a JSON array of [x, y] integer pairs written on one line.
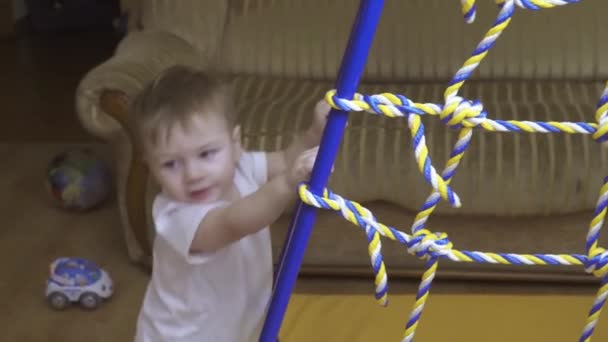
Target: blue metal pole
[[353, 64]]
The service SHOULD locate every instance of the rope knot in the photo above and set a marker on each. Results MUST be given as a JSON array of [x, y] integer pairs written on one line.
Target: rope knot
[[392, 105], [459, 112], [597, 262], [387, 104], [425, 244], [469, 8], [601, 116]]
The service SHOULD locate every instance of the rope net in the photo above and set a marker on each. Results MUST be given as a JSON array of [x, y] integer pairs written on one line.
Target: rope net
[[465, 116]]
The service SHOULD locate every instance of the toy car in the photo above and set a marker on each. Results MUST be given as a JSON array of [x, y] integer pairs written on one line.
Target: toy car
[[77, 280]]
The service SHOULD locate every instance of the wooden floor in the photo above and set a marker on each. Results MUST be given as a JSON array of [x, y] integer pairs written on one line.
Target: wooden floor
[[39, 76]]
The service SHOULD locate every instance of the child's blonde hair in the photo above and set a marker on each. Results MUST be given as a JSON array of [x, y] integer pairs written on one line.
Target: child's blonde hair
[[176, 96]]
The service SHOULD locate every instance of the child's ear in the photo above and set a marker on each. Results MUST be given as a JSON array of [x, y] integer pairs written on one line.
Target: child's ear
[[236, 134], [236, 141]]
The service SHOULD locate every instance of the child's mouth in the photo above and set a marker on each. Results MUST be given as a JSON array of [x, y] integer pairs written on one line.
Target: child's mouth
[[200, 194]]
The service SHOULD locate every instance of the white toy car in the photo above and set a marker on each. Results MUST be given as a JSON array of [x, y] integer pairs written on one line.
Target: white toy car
[[77, 280]]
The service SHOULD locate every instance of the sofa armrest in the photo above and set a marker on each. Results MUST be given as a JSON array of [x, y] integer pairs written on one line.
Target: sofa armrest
[[139, 57], [133, 180]]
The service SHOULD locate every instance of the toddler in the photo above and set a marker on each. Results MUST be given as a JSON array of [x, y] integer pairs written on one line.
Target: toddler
[[212, 260]]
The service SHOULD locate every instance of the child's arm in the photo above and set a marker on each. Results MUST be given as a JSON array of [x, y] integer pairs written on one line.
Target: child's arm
[[279, 161], [250, 214]]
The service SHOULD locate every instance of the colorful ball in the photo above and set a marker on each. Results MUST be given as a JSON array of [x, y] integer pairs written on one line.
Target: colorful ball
[[78, 179]]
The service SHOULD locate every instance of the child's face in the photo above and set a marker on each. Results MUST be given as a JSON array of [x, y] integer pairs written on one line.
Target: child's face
[[197, 164]]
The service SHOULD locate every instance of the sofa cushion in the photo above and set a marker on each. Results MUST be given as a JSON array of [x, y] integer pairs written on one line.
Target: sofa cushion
[[502, 174], [339, 248]]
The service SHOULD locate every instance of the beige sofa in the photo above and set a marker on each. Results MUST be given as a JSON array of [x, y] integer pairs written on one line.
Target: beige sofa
[[520, 192]]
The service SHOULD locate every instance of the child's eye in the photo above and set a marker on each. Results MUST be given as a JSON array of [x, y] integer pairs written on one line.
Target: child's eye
[[169, 164], [207, 153]]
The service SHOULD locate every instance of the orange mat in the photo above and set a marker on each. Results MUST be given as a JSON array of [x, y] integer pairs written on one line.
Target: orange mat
[[471, 318]]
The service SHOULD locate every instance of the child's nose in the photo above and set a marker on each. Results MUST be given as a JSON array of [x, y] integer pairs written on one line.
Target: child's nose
[[192, 173]]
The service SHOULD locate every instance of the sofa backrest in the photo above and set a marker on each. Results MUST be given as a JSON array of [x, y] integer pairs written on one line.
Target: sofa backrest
[[199, 22], [417, 40]]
